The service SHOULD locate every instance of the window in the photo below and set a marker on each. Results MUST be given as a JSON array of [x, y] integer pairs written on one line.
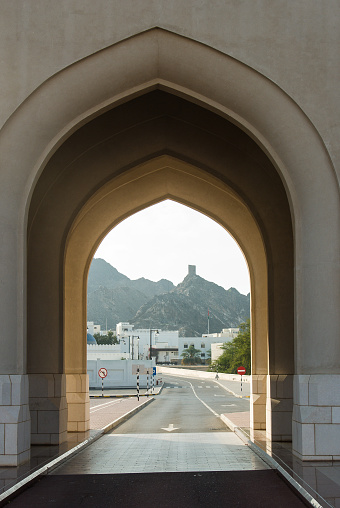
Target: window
[[202, 345], [202, 355], [185, 346]]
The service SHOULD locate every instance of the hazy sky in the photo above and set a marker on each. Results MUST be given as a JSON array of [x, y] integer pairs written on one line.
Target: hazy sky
[[162, 240]]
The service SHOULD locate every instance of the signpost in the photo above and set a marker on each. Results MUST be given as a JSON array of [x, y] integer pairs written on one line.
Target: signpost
[[147, 382], [102, 373], [241, 370], [142, 369], [153, 378]]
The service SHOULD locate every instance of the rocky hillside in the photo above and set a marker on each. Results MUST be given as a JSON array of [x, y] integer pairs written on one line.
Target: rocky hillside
[[147, 304], [186, 308], [114, 297]]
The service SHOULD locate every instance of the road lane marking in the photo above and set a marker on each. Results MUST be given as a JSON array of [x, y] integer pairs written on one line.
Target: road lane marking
[[227, 405], [100, 406], [204, 404]]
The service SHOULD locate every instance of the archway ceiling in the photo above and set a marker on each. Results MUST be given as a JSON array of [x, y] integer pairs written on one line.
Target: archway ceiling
[[146, 127], [160, 123]]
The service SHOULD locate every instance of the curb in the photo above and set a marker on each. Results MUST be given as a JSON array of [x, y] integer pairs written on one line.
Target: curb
[[116, 396], [302, 492], [23, 484], [230, 391]]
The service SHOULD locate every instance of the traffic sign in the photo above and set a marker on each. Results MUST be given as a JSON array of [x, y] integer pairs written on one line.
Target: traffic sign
[[102, 372], [142, 369], [241, 370], [153, 371]]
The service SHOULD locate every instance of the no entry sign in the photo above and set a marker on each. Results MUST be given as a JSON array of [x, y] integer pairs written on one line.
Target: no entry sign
[[102, 372], [241, 370]]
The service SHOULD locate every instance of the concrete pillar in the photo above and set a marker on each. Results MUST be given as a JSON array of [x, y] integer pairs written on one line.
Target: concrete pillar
[[316, 417], [48, 408], [258, 402], [77, 396], [279, 407], [14, 420]]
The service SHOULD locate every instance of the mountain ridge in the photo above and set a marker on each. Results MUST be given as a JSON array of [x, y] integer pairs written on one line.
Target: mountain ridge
[[148, 304]]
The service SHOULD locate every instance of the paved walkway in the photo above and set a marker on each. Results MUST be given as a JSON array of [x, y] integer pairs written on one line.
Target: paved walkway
[[105, 413], [164, 452]]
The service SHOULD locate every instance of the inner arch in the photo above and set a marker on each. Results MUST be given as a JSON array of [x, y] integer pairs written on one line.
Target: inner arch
[[152, 148]]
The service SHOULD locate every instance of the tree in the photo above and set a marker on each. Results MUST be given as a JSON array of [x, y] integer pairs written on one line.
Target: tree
[[237, 352], [108, 339], [191, 356]]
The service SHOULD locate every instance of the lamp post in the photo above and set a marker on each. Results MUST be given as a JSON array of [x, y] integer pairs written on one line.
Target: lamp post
[[133, 346], [151, 330]]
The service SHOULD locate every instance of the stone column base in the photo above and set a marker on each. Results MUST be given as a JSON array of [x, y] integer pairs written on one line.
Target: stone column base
[[279, 407], [78, 402], [258, 402], [316, 417], [48, 408], [15, 424]]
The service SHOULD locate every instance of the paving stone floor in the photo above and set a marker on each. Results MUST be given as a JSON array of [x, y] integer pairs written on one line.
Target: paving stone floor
[[135, 453]]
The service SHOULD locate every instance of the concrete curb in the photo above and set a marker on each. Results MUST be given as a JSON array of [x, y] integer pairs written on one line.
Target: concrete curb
[[117, 396], [272, 463], [230, 391], [23, 484], [228, 423]]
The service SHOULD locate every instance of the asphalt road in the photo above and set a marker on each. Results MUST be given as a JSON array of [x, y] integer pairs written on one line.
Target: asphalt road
[[189, 406]]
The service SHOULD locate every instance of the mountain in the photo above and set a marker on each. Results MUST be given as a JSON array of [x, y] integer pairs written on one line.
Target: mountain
[[186, 308], [114, 297]]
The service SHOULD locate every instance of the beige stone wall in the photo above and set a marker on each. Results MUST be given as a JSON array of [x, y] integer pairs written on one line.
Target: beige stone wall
[[293, 43], [264, 77]]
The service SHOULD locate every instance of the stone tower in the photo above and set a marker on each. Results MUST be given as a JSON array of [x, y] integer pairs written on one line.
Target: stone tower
[[191, 269]]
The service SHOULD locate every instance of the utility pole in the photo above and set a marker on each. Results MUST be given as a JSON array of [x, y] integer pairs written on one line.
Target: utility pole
[[151, 330]]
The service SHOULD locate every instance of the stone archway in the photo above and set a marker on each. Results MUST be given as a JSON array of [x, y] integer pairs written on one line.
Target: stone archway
[[36, 156], [163, 177], [192, 156]]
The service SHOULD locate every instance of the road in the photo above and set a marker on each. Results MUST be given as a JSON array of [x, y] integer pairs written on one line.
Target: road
[[183, 453], [190, 406]]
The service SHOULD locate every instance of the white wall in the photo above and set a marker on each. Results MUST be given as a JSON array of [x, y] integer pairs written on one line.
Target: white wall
[[198, 343], [119, 373]]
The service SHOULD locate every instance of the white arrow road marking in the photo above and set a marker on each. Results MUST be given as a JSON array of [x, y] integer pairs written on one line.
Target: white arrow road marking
[[170, 428]]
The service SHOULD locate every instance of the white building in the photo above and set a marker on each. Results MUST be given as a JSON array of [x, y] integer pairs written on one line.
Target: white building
[[141, 338], [216, 350], [204, 343], [227, 333], [92, 328]]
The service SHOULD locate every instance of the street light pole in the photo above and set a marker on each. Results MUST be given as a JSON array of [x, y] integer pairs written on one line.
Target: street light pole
[[151, 330]]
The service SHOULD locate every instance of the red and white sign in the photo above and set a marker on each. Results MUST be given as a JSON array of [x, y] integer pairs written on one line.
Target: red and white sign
[[102, 372], [241, 370]]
